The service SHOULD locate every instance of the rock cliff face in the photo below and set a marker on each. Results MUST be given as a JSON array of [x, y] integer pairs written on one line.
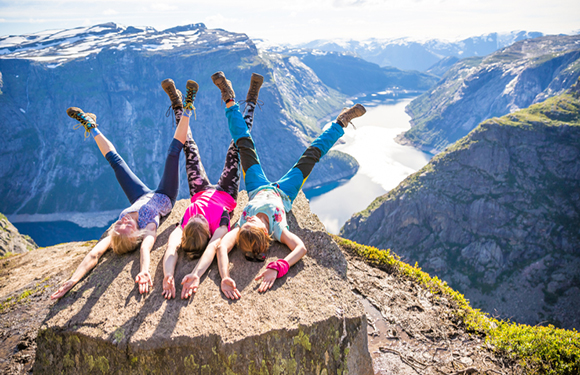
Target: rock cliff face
[[11, 241], [409, 324], [352, 75], [496, 215], [476, 89], [115, 72], [103, 323]]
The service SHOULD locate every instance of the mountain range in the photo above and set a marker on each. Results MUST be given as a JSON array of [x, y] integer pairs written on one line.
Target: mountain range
[[479, 88], [414, 54], [115, 72], [496, 215]]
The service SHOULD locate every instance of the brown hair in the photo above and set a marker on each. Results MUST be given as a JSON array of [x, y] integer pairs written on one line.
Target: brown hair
[[252, 239], [123, 243], [195, 238]]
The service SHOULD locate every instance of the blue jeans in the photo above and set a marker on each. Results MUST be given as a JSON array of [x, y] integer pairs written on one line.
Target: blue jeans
[[291, 183], [134, 188]]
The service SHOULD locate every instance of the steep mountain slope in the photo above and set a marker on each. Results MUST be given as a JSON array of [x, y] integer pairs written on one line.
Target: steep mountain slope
[[352, 75], [496, 215], [115, 72], [476, 89], [410, 54], [11, 241]]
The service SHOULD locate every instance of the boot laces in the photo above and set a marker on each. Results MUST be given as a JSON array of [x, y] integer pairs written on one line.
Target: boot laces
[[85, 123]]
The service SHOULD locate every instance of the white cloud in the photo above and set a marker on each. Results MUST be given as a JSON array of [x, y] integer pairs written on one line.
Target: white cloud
[[110, 12], [218, 20], [36, 20], [163, 7]]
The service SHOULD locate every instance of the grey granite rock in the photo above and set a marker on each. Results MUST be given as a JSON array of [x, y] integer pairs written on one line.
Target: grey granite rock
[[310, 322], [496, 215], [11, 241]]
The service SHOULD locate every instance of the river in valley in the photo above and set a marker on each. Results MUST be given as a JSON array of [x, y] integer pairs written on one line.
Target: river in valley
[[383, 162]]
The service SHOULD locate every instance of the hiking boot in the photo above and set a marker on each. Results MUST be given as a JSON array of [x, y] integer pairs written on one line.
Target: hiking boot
[[255, 84], [174, 94], [224, 85], [190, 91], [88, 120], [346, 115]]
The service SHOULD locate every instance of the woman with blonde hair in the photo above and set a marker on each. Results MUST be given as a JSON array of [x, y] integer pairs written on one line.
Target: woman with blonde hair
[[264, 218], [137, 224], [207, 218]]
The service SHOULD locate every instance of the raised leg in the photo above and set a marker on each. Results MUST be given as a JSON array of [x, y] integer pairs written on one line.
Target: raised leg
[[254, 175], [133, 187], [230, 178], [196, 176], [169, 184], [292, 182]]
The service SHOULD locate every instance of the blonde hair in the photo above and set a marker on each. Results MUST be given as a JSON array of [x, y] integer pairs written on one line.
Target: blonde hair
[[252, 239], [195, 238], [124, 243]]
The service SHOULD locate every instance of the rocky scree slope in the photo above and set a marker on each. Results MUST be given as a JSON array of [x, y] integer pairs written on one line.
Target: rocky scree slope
[[410, 326], [496, 215], [479, 88], [115, 72], [11, 241]]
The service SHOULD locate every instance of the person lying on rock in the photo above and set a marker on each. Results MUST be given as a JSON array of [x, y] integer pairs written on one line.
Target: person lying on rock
[[265, 215], [137, 224], [207, 218]]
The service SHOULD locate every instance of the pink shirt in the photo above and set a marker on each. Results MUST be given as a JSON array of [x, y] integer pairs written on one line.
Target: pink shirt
[[211, 204]]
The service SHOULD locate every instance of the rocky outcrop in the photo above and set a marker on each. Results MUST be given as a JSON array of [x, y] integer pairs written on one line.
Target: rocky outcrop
[[408, 324], [115, 72], [496, 215], [476, 89], [11, 241], [308, 323]]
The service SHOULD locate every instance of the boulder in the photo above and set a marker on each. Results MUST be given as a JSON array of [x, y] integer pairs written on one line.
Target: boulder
[[310, 322], [11, 241]]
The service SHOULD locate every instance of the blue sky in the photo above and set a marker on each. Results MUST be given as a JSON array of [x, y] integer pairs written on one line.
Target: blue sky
[[294, 21]]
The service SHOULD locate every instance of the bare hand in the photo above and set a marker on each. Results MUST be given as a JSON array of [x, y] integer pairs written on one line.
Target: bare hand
[[268, 277], [168, 287], [190, 284], [229, 288], [144, 281], [65, 287]]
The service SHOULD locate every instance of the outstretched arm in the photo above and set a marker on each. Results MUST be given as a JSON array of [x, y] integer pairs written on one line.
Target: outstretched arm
[[191, 281], [144, 277], [226, 245], [169, 261], [90, 261], [295, 244]]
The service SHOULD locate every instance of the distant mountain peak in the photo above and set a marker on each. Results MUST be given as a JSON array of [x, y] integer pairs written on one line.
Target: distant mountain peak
[[58, 46]]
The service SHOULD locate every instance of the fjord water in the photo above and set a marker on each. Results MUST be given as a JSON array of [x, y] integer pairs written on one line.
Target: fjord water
[[383, 162]]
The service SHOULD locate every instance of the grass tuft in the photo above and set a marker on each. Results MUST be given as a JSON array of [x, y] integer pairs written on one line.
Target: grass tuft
[[537, 349]]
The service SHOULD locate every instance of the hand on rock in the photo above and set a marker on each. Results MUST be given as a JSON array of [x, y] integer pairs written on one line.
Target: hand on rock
[[190, 284], [65, 287], [268, 277], [229, 288], [144, 281], [168, 287]]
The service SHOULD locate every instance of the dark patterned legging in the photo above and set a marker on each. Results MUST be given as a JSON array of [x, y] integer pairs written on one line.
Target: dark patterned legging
[[230, 178]]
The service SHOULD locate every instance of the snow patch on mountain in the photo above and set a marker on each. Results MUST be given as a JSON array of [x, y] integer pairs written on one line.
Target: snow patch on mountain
[[58, 46]]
